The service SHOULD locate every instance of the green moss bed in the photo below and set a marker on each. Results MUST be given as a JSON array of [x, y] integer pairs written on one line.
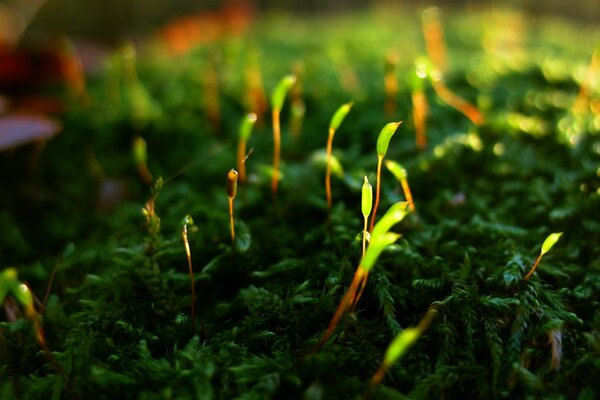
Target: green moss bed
[[117, 318]]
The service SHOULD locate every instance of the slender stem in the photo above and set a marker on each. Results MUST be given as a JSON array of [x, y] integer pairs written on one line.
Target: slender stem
[[364, 238], [345, 304], [377, 190], [188, 253], [231, 221], [534, 267], [276, 151], [328, 167], [458, 103], [361, 289], [407, 194], [419, 113], [241, 165]]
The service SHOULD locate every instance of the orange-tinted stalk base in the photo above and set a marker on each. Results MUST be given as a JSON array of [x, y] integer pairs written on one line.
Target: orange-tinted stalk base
[[276, 151]]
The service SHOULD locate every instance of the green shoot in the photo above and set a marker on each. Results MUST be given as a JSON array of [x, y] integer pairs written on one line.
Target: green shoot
[[149, 209], [383, 142], [546, 246], [184, 234], [336, 121], [401, 344], [277, 100], [140, 156], [390, 84], [232, 177], [10, 285], [400, 173], [366, 206], [380, 239], [244, 135]]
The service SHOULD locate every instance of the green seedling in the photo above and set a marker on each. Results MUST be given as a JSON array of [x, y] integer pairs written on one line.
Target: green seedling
[[401, 344], [149, 210], [383, 142], [390, 84], [546, 246], [140, 156], [336, 121], [400, 173], [380, 239], [244, 135], [277, 100], [232, 178], [366, 206], [11, 286], [188, 221]]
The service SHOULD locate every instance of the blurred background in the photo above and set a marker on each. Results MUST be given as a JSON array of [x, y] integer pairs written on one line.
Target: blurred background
[[109, 21]]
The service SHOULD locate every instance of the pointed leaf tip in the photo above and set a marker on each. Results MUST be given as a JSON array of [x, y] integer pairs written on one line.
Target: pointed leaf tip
[[383, 141], [339, 115], [280, 91], [550, 241]]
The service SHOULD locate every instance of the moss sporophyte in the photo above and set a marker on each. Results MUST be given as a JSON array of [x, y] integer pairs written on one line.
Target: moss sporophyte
[[336, 121], [383, 142], [277, 100], [188, 223], [232, 178], [381, 237], [549, 242], [245, 131]]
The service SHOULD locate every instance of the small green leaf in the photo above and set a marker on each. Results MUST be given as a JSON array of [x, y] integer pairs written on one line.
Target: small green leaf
[[278, 96], [23, 296], [339, 116], [140, 152], [383, 141], [396, 169], [550, 241], [367, 197], [246, 126], [401, 343], [8, 283], [376, 247], [395, 214]]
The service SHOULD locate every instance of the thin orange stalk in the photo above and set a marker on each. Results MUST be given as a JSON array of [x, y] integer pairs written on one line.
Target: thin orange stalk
[[407, 194], [186, 243], [232, 177], [231, 220], [458, 102], [241, 156], [377, 190], [419, 113], [276, 150], [346, 304], [537, 261], [434, 37], [328, 166]]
